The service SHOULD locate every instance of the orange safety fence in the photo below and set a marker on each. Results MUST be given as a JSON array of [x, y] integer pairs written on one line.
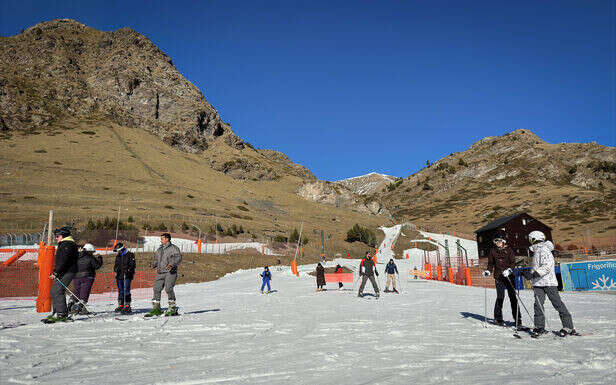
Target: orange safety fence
[[339, 277]]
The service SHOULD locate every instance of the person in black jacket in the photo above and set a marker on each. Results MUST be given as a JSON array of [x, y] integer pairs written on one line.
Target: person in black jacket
[[65, 267], [87, 264], [124, 269], [501, 262], [320, 277], [367, 270], [391, 269]]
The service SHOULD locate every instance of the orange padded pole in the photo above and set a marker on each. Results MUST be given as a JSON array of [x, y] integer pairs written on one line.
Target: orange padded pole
[[468, 276], [45, 261], [439, 272], [199, 246], [450, 274]]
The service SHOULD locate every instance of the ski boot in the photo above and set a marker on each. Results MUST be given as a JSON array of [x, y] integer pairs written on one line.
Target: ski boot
[[396, 291], [360, 295], [537, 332], [127, 309], [172, 310], [572, 332], [377, 295], [120, 306], [57, 318], [386, 291], [72, 307], [81, 310], [155, 312], [499, 323]]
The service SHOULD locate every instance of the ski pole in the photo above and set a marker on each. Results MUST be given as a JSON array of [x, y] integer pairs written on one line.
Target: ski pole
[[485, 302], [70, 292]]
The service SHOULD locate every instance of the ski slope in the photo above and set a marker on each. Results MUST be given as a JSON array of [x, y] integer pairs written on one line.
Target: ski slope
[[432, 333]]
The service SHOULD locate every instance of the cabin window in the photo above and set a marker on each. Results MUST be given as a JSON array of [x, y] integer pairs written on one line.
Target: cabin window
[[480, 239], [516, 235], [524, 222]]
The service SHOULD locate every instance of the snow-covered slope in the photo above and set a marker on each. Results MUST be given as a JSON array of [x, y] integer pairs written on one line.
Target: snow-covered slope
[[367, 184], [229, 334]]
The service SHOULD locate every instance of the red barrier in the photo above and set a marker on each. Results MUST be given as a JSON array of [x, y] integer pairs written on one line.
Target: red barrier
[[45, 265], [339, 277]]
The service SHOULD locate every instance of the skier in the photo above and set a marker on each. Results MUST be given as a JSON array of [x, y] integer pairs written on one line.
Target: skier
[[320, 277], [87, 264], [339, 271], [124, 270], [166, 261], [545, 284], [391, 269], [368, 272], [501, 262], [414, 272], [65, 267], [266, 277]]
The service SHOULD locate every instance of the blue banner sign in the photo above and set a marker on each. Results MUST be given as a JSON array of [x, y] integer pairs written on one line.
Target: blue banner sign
[[595, 275]]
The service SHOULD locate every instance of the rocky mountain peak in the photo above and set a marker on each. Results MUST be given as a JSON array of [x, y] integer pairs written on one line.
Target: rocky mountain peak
[[63, 69]]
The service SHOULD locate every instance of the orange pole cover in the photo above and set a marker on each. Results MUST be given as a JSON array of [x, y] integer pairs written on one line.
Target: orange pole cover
[[46, 261], [15, 257], [468, 276], [199, 246], [450, 274], [439, 272]]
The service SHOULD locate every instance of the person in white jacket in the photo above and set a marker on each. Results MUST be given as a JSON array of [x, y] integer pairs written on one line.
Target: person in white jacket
[[545, 284]]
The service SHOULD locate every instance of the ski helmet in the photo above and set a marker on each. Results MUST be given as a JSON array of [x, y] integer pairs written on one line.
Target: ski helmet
[[89, 247], [118, 247], [536, 236]]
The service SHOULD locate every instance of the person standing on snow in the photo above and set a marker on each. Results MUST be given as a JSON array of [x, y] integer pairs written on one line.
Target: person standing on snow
[[545, 284], [391, 269], [166, 261], [501, 262], [320, 277], [65, 267], [87, 264], [367, 270], [339, 271], [266, 276], [124, 270]]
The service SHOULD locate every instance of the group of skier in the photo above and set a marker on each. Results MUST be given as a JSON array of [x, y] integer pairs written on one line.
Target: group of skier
[[79, 265]]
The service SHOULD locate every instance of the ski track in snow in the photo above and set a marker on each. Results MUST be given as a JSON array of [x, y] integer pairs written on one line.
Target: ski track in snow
[[431, 333]]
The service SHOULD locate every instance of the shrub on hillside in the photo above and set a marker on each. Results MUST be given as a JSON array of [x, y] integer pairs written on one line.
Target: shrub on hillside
[[361, 234]]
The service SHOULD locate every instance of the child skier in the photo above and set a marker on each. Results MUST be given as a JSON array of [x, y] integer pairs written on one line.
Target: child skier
[[391, 269], [545, 284], [339, 271], [267, 277], [87, 264], [124, 270]]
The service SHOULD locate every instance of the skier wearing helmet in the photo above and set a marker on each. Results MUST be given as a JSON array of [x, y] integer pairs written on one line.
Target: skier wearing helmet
[[124, 270], [501, 261], [545, 284], [87, 264]]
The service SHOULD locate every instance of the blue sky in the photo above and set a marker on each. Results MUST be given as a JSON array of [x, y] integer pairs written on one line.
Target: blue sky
[[350, 87]]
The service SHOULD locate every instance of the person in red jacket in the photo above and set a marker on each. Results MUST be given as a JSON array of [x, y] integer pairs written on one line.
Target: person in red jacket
[[339, 271]]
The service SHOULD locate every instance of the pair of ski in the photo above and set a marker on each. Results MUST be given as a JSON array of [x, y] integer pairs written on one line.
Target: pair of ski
[[534, 334]]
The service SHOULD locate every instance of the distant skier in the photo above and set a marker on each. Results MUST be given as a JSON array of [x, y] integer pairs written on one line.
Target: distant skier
[[65, 267], [414, 272], [124, 270], [391, 269], [339, 271], [544, 282], [166, 261], [501, 262], [266, 277], [367, 270], [87, 264], [320, 277]]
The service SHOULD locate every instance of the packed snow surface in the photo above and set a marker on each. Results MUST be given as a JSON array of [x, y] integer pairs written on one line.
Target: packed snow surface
[[228, 333]]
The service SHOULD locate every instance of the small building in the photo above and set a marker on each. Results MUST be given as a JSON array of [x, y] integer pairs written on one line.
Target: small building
[[516, 227]]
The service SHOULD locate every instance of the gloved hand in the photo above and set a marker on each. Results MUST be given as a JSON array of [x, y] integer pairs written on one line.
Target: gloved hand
[[486, 273], [528, 274], [507, 272], [536, 275]]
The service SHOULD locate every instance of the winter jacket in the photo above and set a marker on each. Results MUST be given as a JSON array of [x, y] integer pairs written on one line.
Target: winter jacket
[[369, 268], [67, 254], [543, 264], [125, 264], [500, 260], [320, 275], [167, 255], [87, 264], [266, 275], [338, 269], [391, 268]]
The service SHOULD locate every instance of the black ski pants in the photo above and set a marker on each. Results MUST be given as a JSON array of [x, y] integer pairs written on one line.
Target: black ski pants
[[502, 284]]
